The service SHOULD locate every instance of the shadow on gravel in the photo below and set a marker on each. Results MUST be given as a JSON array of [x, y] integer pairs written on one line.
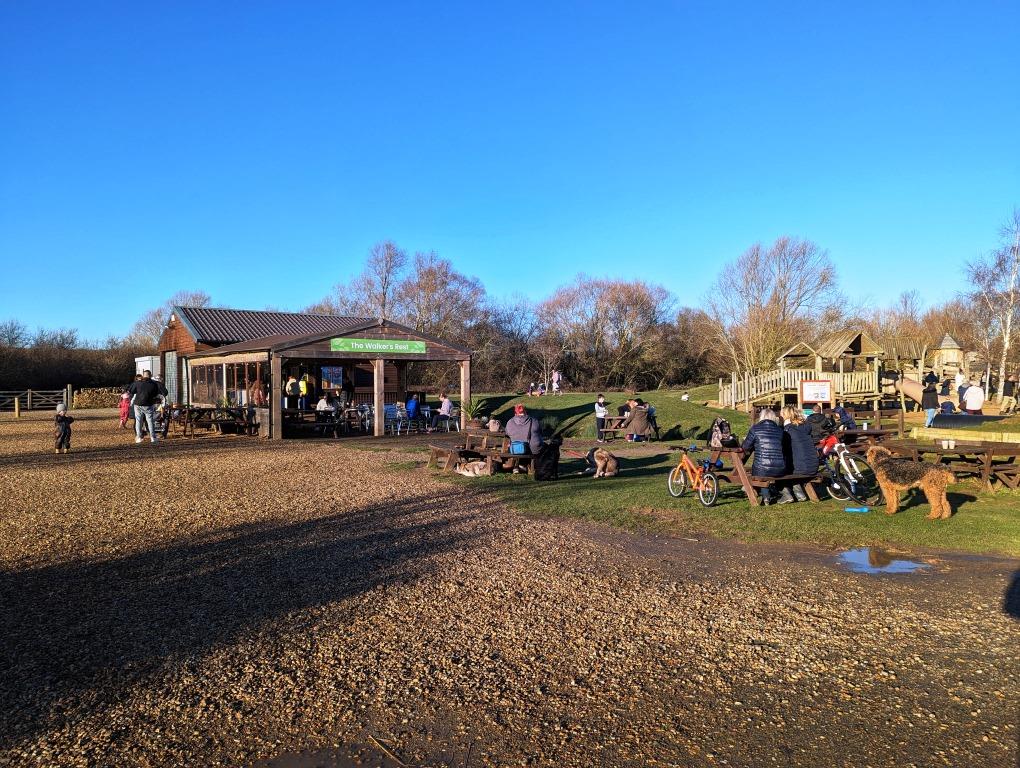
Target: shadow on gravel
[[1011, 603], [76, 637]]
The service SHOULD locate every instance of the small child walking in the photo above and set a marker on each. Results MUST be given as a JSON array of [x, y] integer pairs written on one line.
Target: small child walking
[[125, 409], [601, 411], [62, 430]]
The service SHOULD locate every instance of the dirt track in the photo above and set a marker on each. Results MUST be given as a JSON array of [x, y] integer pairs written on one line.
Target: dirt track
[[233, 603]]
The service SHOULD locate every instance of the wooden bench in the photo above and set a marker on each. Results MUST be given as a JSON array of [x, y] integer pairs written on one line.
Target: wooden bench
[[739, 475]]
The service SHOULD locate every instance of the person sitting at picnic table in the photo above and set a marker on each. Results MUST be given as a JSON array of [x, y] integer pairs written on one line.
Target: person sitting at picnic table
[[765, 441], [636, 426], [324, 405], [845, 418], [522, 428], [444, 413], [947, 407], [973, 399], [929, 402], [802, 455], [821, 425], [412, 408]]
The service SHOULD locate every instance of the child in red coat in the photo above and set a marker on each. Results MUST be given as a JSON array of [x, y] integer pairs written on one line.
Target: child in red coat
[[125, 409]]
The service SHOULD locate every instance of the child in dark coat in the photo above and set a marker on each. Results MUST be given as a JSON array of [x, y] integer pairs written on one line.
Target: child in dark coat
[[62, 430]]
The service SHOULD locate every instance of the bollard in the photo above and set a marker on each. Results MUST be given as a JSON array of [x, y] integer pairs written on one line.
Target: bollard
[[17, 407]]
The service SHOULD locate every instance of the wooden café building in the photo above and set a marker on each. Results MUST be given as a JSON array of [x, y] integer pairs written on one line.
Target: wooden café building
[[212, 356]]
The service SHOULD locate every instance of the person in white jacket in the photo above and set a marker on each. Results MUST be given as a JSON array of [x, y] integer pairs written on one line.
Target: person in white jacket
[[601, 411]]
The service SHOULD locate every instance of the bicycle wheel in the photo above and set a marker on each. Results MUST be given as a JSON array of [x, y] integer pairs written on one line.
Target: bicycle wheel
[[834, 482], [862, 484], [709, 490], [677, 481]]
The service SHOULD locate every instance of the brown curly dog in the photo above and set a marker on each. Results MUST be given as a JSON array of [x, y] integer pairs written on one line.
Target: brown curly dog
[[898, 474]]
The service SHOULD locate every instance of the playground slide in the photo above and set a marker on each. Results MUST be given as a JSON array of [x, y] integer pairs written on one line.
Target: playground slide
[[911, 389]]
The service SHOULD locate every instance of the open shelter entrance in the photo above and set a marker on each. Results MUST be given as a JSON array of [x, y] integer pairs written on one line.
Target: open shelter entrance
[[366, 362]]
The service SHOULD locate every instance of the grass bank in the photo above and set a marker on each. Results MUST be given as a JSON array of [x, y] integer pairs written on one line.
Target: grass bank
[[983, 522]]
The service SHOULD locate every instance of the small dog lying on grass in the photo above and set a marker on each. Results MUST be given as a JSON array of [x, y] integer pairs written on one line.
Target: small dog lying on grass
[[473, 469], [896, 474]]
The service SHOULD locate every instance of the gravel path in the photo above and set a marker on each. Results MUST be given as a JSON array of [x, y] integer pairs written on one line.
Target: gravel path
[[233, 603]]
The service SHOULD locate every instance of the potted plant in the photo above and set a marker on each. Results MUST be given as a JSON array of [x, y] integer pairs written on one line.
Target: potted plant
[[472, 410]]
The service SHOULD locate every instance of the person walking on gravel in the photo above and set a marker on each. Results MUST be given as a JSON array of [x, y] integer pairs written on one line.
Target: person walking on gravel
[[62, 430], [144, 396]]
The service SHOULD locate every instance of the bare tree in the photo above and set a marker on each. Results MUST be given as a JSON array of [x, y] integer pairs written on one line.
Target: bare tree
[[372, 292], [149, 327], [769, 297], [996, 281], [436, 299], [13, 333]]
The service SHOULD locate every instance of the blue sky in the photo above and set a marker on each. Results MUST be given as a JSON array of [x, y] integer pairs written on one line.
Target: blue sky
[[256, 150]]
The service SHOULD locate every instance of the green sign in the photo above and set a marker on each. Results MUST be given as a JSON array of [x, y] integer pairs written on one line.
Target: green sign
[[386, 346]]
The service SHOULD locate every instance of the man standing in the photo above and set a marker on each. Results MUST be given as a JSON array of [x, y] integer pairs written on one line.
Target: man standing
[[973, 399], [144, 395], [1008, 395]]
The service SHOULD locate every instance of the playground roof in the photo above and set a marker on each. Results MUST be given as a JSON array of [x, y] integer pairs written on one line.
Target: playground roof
[[848, 344], [905, 349], [800, 349], [948, 342]]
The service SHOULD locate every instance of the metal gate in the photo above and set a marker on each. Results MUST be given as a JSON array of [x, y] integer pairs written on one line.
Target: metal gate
[[170, 376]]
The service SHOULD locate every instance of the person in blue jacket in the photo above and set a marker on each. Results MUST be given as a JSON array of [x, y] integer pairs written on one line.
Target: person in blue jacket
[[765, 441], [802, 455]]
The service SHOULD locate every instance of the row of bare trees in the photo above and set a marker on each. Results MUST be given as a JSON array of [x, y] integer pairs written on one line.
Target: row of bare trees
[[604, 333]]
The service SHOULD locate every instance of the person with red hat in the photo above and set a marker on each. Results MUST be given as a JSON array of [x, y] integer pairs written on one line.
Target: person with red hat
[[525, 429]]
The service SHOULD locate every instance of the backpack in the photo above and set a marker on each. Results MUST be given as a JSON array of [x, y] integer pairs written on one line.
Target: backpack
[[722, 434], [547, 461]]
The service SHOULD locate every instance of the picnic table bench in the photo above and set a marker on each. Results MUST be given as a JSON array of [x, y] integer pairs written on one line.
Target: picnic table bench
[[738, 474], [859, 440], [491, 447], [989, 461]]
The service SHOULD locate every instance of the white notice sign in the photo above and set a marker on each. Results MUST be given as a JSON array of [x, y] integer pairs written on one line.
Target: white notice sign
[[819, 391]]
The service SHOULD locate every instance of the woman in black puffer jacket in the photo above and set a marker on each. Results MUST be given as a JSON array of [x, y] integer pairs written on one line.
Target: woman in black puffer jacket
[[765, 439], [802, 456]]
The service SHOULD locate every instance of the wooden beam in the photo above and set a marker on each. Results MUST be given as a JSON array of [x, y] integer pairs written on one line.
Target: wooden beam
[[378, 396], [276, 398], [465, 390]]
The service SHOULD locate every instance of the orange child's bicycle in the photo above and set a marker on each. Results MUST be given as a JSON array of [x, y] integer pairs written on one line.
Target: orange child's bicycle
[[698, 477]]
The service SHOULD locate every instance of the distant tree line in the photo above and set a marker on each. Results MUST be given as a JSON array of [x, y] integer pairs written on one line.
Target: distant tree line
[[601, 333]]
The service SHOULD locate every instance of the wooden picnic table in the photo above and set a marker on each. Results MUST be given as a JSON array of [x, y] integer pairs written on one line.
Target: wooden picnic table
[[737, 474], [859, 440], [214, 417], [989, 461]]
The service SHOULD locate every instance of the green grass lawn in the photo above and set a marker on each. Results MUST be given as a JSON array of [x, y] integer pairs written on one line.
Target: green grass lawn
[[983, 522]]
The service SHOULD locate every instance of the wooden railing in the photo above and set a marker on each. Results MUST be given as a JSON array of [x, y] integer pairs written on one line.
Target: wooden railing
[[744, 389], [32, 399]]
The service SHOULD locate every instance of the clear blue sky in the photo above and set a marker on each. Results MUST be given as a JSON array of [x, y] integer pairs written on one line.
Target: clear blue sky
[[256, 150]]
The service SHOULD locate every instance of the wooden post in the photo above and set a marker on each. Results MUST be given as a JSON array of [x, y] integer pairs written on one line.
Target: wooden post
[[465, 390], [29, 401], [17, 405], [402, 381], [69, 396], [378, 393], [733, 390], [275, 397], [747, 392]]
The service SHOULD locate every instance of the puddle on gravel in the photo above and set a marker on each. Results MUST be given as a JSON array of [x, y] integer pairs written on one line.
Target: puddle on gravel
[[875, 560]]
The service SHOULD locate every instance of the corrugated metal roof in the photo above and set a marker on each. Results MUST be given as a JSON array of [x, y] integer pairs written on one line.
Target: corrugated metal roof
[[231, 326]]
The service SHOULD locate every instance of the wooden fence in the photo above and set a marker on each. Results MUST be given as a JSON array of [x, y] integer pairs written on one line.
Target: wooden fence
[[773, 384], [34, 399]]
